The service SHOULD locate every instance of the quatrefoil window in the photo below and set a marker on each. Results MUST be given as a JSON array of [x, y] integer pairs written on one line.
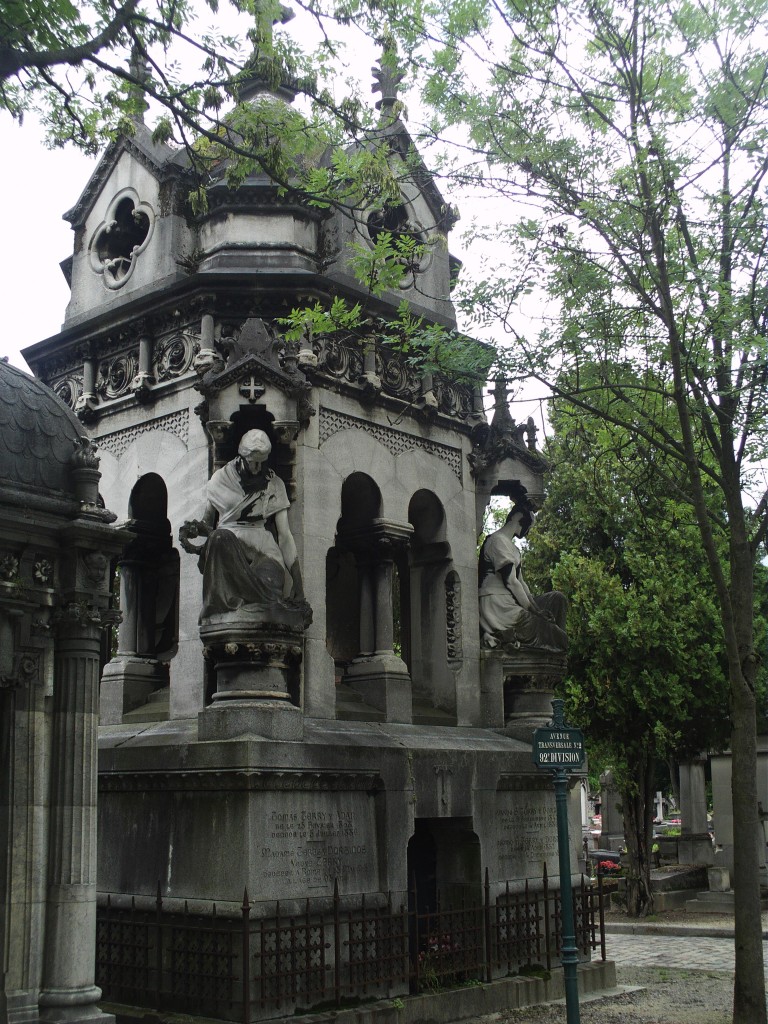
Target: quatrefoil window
[[121, 238], [394, 219]]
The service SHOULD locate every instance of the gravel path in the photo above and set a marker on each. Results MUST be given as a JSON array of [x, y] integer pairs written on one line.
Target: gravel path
[[667, 996], [656, 994]]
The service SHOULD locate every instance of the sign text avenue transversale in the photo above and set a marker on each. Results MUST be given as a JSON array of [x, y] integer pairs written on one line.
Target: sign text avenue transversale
[[558, 748]]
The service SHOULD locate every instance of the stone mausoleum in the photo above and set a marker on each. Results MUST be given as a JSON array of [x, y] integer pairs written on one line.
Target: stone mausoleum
[[355, 750], [56, 544]]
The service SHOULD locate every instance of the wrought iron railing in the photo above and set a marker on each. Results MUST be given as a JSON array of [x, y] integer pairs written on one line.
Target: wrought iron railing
[[330, 953]]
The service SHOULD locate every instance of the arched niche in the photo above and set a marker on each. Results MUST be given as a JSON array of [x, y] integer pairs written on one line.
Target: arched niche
[[360, 502], [360, 569], [349, 606], [149, 603], [281, 433], [424, 603]]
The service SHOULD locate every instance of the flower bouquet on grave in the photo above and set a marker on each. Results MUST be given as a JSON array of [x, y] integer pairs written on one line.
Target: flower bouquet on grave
[[437, 962], [610, 872]]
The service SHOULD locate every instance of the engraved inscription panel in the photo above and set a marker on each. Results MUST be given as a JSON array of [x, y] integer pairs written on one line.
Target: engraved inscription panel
[[315, 838], [527, 834]]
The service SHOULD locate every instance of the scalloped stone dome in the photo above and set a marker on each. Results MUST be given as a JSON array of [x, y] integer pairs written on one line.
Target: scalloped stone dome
[[38, 435]]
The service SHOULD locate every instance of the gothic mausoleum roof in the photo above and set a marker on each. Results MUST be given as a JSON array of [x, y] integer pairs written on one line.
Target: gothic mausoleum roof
[[38, 436]]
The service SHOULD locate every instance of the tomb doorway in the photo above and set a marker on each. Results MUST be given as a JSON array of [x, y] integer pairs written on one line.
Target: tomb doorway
[[444, 886]]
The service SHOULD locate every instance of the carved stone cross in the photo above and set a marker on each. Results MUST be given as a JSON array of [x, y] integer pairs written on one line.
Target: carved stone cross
[[251, 389]]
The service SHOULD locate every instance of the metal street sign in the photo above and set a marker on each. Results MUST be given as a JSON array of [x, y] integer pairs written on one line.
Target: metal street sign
[[559, 748]]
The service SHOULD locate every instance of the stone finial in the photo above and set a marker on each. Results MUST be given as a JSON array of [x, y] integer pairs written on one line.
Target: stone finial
[[268, 13], [502, 424], [262, 75], [387, 77], [138, 67]]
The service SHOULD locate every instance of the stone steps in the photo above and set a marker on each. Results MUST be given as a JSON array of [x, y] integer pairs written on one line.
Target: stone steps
[[716, 903], [156, 709], [350, 707]]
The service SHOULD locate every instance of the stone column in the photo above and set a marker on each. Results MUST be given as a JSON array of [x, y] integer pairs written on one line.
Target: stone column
[[384, 627], [68, 992], [378, 674], [694, 845], [89, 378], [85, 406], [142, 383], [147, 611], [127, 639], [367, 630], [208, 358], [133, 674]]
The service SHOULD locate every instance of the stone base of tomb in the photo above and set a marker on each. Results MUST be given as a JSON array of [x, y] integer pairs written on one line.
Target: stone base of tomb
[[272, 719], [340, 824], [362, 803], [384, 683]]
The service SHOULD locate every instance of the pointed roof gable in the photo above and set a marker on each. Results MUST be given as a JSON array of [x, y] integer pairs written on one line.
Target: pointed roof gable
[[159, 158]]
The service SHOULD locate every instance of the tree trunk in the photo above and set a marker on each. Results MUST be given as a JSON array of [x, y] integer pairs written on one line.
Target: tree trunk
[[637, 809], [749, 982]]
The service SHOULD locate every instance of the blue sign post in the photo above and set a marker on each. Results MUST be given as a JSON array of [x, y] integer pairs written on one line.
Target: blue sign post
[[559, 748]]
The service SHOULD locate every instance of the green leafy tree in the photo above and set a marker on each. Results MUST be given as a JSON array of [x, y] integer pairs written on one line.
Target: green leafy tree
[[91, 69], [632, 138], [646, 664]]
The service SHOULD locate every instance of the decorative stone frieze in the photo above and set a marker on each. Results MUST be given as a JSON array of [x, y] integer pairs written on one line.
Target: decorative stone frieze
[[176, 423], [397, 441]]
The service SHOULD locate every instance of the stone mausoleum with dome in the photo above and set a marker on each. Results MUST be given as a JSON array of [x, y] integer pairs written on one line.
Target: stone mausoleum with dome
[[357, 752], [56, 547]]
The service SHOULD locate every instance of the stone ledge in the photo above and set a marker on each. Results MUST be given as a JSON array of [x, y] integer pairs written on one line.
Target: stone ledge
[[455, 1004]]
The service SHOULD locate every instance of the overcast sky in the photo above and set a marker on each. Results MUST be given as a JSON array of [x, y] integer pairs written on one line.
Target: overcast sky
[[37, 185]]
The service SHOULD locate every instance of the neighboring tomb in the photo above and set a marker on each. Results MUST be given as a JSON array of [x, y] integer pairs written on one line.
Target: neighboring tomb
[[356, 757], [56, 549]]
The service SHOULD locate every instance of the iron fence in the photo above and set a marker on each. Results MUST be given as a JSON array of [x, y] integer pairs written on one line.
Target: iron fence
[[333, 952]]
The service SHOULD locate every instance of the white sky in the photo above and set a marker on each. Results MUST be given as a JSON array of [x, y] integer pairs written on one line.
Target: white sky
[[38, 185]]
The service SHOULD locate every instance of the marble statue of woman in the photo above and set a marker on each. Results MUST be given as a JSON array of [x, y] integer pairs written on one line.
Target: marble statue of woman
[[249, 561], [509, 613]]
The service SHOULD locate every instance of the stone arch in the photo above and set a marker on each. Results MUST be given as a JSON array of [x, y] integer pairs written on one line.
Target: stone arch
[[149, 602], [349, 631], [444, 865]]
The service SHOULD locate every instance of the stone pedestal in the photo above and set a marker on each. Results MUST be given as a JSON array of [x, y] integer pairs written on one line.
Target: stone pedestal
[[695, 845], [695, 849], [491, 690], [127, 683], [723, 808], [272, 719], [530, 677], [258, 679], [382, 680], [612, 818]]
